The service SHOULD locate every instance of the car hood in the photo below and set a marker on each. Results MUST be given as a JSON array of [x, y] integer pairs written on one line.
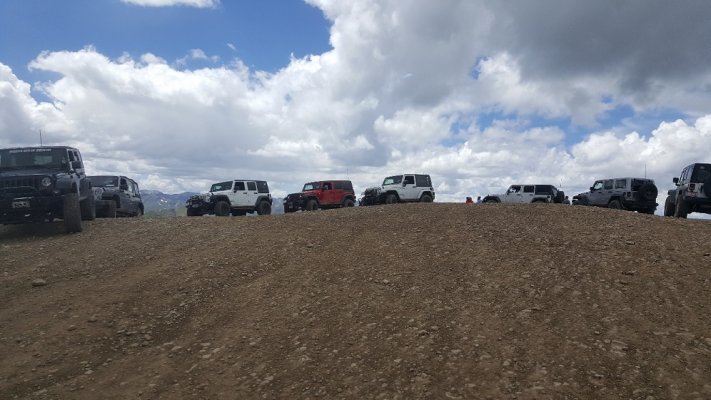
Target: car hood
[[14, 173]]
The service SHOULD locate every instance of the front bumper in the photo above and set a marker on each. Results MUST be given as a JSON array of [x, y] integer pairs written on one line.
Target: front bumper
[[29, 209]]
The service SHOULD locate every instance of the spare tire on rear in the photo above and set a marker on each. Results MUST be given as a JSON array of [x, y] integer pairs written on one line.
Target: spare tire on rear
[[559, 197], [648, 191], [707, 187]]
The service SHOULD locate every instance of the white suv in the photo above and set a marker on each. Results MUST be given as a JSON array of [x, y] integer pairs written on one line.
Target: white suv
[[237, 197], [527, 194], [407, 188]]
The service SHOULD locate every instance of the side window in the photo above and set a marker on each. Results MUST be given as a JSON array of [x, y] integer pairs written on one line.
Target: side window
[[124, 184], [135, 188], [326, 186], [338, 185], [409, 180], [597, 185], [72, 156], [252, 186], [422, 181], [514, 189], [239, 186], [528, 189], [608, 184], [262, 187], [348, 185], [620, 183]]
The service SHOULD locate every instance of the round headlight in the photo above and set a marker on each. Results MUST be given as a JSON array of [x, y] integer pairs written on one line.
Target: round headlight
[[46, 182]]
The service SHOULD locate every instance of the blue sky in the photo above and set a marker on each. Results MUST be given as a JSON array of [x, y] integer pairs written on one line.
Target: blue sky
[[264, 33], [480, 94]]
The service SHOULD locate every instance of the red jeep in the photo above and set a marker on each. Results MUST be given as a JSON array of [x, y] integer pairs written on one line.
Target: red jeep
[[321, 194]]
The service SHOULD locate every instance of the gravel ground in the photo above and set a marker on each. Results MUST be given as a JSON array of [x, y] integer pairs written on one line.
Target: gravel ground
[[429, 301]]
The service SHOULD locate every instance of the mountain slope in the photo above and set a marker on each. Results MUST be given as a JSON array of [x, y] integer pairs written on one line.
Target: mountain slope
[[403, 301]]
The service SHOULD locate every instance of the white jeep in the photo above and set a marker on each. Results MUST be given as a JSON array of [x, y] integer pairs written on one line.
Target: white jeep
[[237, 197], [407, 188], [523, 194]]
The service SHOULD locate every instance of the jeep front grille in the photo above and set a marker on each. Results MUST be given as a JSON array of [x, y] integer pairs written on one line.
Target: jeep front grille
[[26, 185]]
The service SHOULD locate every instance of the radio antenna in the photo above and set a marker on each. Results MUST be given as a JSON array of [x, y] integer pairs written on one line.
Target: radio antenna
[[40, 131]]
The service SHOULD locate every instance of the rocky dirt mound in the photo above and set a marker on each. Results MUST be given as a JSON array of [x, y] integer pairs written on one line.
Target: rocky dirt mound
[[393, 302]]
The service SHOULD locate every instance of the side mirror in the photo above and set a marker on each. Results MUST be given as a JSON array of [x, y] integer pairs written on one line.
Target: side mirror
[[592, 188], [404, 184], [675, 180]]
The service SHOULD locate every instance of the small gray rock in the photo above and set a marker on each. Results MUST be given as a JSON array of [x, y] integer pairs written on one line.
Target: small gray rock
[[39, 282]]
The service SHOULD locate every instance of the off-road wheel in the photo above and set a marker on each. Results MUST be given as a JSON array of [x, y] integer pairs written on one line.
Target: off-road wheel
[[426, 198], [669, 207], [559, 197], [139, 212], [614, 204], [71, 213], [264, 208], [222, 208], [682, 208], [111, 210], [88, 208], [348, 203], [391, 198], [311, 205], [648, 192]]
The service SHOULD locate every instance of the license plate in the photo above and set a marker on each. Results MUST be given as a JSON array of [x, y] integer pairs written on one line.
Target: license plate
[[21, 204]]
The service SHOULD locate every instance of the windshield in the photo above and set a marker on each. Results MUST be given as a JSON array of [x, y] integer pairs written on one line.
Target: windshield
[[104, 181], [311, 186], [392, 180], [36, 157], [221, 186]]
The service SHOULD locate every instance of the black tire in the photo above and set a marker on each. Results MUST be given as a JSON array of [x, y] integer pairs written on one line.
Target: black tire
[[669, 207], [707, 187], [682, 208], [559, 197], [614, 204], [139, 212], [264, 208], [648, 192], [192, 212], [111, 210], [222, 208], [71, 213], [88, 208], [426, 198], [348, 203], [390, 198], [311, 205]]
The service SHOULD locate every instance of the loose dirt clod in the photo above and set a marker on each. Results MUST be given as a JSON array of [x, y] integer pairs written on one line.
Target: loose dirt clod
[[404, 301]]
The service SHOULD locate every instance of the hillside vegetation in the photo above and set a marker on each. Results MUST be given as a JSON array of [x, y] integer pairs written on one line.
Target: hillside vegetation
[[394, 302]]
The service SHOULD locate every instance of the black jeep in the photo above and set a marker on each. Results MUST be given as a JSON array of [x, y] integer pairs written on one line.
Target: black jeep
[[39, 184], [692, 192]]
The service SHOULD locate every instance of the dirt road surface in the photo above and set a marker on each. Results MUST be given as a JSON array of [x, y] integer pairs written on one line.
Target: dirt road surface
[[423, 301]]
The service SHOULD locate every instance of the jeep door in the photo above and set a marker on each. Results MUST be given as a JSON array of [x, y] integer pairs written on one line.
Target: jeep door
[[328, 193], [600, 193], [409, 190], [512, 195], [252, 194], [135, 196], [240, 195], [127, 205], [528, 192]]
